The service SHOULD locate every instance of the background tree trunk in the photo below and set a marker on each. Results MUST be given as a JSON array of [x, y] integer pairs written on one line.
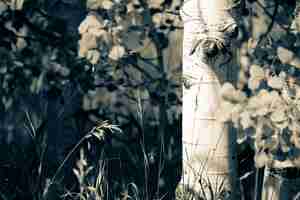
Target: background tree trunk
[[209, 155], [281, 184]]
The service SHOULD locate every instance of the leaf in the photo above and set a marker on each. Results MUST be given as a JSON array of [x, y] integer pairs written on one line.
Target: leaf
[[262, 99], [286, 94], [297, 95], [245, 120], [295, 62], [21, 43], [278, 116], [76, 173], [87, 42], [99, 32], [91, 189], [282, 75], [3, 7], [256, 72], [99, 134], [225, 111], [295, 138], [227, 90], [157, 19], [116, 129], [235, 114], [18, 63], [284, 55], [276, 82], [107, 4], [229, 93], [93, 4], [280, 119], [3, 70], [262, 111], [116, 52], [296, 22], [92, 21], [156, 3], [9, 25], [288, 57], [7, 102], [37, 83], [278, 103], [254, 83], [93, 56], [17, 4], [267, 99], [240, 96]]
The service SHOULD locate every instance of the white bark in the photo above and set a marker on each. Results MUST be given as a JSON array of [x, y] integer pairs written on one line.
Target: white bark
[[208, 146]]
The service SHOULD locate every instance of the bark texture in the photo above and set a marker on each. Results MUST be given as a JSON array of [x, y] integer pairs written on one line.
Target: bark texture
[[208, 145]]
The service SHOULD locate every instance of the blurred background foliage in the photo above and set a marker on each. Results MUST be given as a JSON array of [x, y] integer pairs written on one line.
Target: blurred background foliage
[[65, 66], [264, 105], [68, 64]]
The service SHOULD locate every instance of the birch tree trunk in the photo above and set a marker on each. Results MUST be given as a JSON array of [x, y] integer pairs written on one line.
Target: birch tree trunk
[[208, 145]]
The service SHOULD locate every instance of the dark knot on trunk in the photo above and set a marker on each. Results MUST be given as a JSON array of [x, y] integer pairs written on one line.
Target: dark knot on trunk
[[216, 43]]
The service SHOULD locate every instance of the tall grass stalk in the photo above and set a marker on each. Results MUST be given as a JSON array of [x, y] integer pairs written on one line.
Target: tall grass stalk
[[101, 183], [39, 139], [140, 112], [98, 132], [66, 159]]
